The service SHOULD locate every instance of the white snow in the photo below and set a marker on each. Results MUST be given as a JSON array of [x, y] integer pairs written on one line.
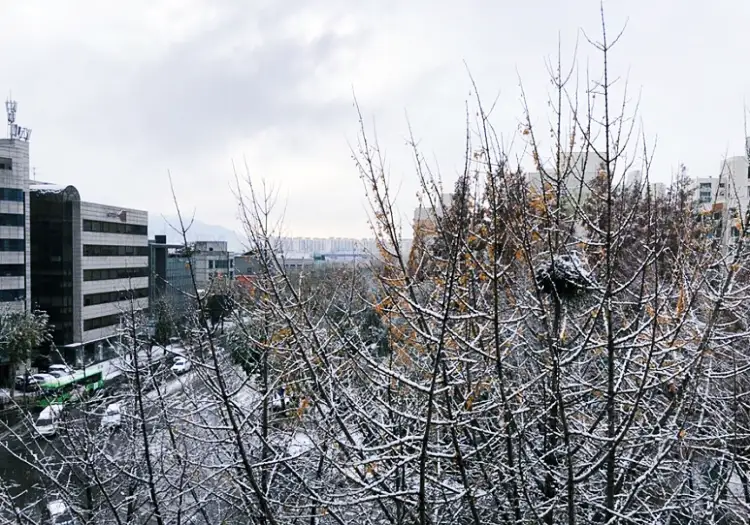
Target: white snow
[[47, 188]]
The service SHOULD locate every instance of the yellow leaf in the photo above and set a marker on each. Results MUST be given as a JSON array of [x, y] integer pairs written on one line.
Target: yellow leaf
[[682, 433], [469, 401], [681, 301]]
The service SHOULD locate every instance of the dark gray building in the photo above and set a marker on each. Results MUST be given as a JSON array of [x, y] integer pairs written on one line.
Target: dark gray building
[[170, 279]]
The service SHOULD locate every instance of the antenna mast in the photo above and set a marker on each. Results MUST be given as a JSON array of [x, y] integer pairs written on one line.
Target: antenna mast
[[10, 110], [14, 130]]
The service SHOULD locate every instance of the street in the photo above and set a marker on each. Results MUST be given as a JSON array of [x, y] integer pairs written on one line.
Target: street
[[21, 449]]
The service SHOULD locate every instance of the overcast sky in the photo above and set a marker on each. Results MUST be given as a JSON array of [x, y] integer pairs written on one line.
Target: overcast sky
[[118, 93]]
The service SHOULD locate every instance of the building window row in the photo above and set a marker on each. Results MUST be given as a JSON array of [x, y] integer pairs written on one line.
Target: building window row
[[220, 264], [101, 322], [12, 270], [12, 219], [114, 297], [6, 163], [106, 274], [114, 227], [11, 194], [12, 295], [103, 250], [12, 245]]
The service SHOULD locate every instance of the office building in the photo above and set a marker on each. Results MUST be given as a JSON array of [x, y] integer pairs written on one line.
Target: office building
[[170, 279], [90, 262], [15, 291], [211, 260]]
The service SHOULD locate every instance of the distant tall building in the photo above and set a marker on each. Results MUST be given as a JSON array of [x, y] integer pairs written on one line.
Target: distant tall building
[[726, 197], [579, 170]]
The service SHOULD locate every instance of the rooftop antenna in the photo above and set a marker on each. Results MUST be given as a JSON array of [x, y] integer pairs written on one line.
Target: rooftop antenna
[[14, 130], [10, 110]]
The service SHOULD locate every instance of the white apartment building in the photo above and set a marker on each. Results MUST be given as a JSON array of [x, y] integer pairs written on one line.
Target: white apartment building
[[581, 170], [15, 278]]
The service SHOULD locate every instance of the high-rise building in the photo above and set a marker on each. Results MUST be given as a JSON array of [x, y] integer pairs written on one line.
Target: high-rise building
[[90, 262], [15, 291]]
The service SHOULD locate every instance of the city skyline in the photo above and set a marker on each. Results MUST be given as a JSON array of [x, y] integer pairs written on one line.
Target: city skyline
[[128, 93]]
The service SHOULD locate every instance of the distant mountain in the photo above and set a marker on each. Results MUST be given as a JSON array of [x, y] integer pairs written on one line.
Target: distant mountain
[[199, 231]]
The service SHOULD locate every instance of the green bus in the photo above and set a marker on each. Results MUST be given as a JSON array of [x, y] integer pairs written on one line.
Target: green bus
[[63, 389]]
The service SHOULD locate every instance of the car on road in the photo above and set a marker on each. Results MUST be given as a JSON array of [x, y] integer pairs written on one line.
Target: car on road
[[58, 513], [26, 386], [43, 378], [112, 417], [46, 423], [62, 369], [181, 365]]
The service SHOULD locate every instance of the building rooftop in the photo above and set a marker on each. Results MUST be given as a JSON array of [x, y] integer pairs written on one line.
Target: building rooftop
[[46, 187]]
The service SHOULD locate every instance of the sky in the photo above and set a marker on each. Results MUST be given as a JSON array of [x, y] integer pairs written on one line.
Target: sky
[[121, 94]]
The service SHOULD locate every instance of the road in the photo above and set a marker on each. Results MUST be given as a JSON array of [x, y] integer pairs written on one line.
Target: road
[[21, 448]]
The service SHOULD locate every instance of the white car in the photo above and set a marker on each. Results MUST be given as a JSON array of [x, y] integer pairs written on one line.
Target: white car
[[43, 378], [59, 513], [112, 417], [181, 365], [60, 369], [46, 424]]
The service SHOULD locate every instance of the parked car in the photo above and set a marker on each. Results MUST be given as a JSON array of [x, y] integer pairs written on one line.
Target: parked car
[[112, 417], [26, 386], [46, 424], [63, 369], [181, 365]]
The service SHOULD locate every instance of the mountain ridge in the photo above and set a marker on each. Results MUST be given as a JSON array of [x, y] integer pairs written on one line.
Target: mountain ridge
[[161, 224]]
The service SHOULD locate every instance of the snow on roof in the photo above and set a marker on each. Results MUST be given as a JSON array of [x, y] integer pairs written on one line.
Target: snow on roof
[[47, 188]]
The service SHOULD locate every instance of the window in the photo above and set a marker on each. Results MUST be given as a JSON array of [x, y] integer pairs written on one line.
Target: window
[[12, 295], [6, 163], [103, 250], [12, 270], [721, 185], [114, 227], [12, 219], [12, 245], [106, 274], [113, 297], [101, 322], [210, 264], [11, 194], [222, 263]]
